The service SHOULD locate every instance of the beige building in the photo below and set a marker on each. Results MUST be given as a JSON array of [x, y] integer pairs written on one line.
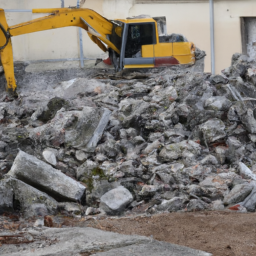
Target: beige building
[[235, 26]]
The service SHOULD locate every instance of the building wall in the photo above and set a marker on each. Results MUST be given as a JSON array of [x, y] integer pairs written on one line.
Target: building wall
[[190, 18]]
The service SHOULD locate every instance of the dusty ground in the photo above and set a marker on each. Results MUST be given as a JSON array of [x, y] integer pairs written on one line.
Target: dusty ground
[[220, 233]]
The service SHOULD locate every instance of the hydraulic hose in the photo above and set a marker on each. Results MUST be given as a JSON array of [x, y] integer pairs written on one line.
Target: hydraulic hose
[[7, 36]]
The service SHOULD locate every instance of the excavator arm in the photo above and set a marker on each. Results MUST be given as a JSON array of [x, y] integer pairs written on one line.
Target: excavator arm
[[98, 28]]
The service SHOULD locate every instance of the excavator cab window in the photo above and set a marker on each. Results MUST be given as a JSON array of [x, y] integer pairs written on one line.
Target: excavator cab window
[[138, 35]]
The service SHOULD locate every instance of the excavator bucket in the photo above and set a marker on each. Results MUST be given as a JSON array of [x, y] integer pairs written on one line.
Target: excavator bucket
[[6, 53]]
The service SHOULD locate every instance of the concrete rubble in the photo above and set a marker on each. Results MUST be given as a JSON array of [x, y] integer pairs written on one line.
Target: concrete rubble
[[148, 141]]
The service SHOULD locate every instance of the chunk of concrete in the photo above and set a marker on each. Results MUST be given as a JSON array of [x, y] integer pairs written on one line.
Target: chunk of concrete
[[249, 121], [196, 205], [246, 172], [44, 177], [250, 202], [175, 151], [218, 103], [6, 198], [173, 205], [25, 196], [238, 194], [213, 129], [50, 156], [115, 200], [79, 129]]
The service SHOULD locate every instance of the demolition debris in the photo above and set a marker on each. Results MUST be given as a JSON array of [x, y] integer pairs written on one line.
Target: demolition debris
[[166, 140]]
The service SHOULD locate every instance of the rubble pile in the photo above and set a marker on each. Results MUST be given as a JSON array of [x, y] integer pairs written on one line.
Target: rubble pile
[[168, 140]]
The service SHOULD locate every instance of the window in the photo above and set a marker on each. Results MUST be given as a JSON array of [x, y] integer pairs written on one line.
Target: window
[[138, 35]]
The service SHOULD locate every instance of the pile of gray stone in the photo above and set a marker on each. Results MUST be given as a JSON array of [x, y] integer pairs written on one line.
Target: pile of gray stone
[[165, 140]]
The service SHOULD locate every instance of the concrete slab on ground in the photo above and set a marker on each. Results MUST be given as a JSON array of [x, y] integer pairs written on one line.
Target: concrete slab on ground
[[90, 241]]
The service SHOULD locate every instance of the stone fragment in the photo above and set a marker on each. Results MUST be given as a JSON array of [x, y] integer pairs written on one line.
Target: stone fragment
[[216, 185], [138, 140], [49, 156], [160, 94], [218, 79], [221, 154], [70, 208], [41, 175], [217, 205], [220, 103], [101, 157], [37, 210], [115, 200], [6, 198], [152, 147], [79, 129], [237, 194], [130, 110], [92, 211], [250, 201], [176, 150], [39, 223], [249, 121], [196, 205], [236, 150], [28, 198], [173, 205], [213, 129], [252, 137], [246, 172], [48, 112], [81, 155], [96, 189], [237, 111], [209, 160], [149, 191]]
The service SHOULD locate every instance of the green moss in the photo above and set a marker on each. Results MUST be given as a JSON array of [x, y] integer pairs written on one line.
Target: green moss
[[89, 179], [89, 183]]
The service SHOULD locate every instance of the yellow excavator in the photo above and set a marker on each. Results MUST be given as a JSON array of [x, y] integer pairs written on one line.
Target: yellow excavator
[[131, 43]]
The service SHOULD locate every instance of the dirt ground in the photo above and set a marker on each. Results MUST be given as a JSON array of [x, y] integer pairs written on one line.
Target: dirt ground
[[220, 233]]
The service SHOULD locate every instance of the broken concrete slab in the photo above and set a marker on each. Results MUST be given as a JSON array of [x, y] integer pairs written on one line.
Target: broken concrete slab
[[24, 196], [115, 200], [43, 176], [83, 241], [6, 198], [78, 129], [155, 248]]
